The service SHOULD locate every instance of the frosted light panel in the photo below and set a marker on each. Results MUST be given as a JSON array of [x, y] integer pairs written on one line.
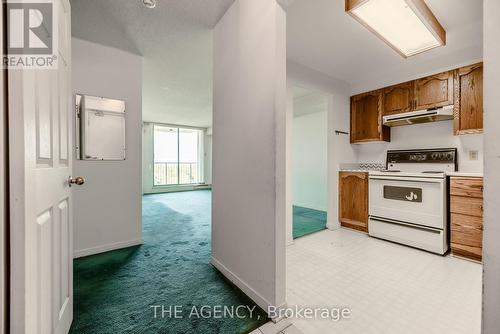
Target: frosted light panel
[[398, 24]]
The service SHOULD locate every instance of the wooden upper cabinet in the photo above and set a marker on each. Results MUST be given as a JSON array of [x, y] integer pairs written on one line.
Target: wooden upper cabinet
[[366, 118], [398, 98], [469, 99], [353, 200], [434, 91], [462, 88]]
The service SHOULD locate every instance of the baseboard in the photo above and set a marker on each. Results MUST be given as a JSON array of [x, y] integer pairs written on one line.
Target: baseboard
[[241, 284], [175, 189], [332, 226], [106, 248]]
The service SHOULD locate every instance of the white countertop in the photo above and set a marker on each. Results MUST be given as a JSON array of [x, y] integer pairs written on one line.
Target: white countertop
[[355, 170], [465, 174]]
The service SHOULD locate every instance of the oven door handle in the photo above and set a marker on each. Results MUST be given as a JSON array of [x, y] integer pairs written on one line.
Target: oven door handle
[[397, 222], [415, 179]]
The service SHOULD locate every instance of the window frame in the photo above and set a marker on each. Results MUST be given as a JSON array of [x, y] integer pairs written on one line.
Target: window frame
[[201, 153]]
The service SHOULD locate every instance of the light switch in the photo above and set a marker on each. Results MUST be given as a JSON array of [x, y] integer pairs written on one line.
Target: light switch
[[473, 155]]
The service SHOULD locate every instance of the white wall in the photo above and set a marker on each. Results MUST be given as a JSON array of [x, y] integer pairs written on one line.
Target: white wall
[[107, 210], [207, 164], [248, 172], [429, 135], [339, 148], [491, 246], [310, 156]]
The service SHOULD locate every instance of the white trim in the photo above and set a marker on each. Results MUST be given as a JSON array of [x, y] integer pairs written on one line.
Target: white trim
[[106, 248], [176, 188], [262, 302], [3, 190], [176, 125]]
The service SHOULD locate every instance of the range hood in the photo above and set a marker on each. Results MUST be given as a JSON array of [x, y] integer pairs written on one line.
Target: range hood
[[420, 116]]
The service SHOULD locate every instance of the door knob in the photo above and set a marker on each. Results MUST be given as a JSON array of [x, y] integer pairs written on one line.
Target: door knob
[[77, 180]]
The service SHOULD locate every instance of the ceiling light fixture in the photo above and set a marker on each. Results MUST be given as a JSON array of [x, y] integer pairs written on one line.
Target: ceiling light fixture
[[149, 3], [407, 26]]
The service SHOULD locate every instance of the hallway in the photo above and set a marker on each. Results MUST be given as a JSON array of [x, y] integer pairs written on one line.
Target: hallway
[[114, 291]]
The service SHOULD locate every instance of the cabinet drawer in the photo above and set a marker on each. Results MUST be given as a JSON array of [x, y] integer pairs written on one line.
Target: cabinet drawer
[[469, 187], [467, 230], [470, 206]]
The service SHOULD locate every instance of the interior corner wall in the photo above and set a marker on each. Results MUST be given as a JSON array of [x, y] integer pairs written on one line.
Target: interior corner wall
[[310, 156], [147, 157], [207, 153], [491, 246], [339, 148], [248, 172], [107, 208]]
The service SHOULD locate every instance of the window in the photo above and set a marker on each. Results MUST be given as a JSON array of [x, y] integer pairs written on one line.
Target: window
[[177, 155]]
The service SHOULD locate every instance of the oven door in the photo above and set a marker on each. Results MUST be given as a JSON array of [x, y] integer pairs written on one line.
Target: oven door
[[414, 200]]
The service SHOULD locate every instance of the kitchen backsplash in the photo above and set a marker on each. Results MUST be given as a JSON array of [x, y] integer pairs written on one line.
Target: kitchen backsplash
[[429, 135], [362, 166]]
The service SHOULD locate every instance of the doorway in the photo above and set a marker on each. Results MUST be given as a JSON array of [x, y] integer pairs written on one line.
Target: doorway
[[309, 161]]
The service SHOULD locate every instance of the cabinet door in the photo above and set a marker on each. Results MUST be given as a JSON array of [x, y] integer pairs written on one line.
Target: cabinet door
[[469, 101], [366, 118], [434, 91], [398, 98], [353, 200]]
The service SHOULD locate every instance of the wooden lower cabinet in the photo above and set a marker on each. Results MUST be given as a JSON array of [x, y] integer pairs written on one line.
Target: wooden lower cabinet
[[353, 200], [466, 206]]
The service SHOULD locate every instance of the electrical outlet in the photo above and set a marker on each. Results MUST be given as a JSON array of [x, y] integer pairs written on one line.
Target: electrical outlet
[[473, 155]]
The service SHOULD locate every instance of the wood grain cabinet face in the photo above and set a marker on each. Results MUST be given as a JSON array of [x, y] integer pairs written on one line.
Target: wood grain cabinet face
[[398, 98], [353, 200], [469, 99], [434, 91], [462, 88], [466, 206], [366, 118]]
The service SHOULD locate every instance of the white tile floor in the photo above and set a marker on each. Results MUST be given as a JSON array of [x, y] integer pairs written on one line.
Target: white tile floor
[[282, 327], [389, 288]]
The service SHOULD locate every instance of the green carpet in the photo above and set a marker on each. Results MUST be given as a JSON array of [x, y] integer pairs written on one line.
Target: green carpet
[[114, 291], [307, 221]]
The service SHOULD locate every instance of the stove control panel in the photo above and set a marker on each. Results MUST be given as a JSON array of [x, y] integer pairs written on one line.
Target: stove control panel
[[448, 156]]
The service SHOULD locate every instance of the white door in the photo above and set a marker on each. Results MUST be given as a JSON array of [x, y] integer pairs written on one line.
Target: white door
[[40, 135]]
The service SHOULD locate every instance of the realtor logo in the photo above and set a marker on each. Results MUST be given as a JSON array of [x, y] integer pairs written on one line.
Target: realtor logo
[[31, 35]]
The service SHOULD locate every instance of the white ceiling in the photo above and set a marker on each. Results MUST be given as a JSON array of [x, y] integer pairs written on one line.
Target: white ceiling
[[175, 39], [320, 35]]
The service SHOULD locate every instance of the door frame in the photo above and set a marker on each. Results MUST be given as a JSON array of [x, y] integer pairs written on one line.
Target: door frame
[[4, 190]]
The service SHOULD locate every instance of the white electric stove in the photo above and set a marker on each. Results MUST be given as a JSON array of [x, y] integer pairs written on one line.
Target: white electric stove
[[408, 200]]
